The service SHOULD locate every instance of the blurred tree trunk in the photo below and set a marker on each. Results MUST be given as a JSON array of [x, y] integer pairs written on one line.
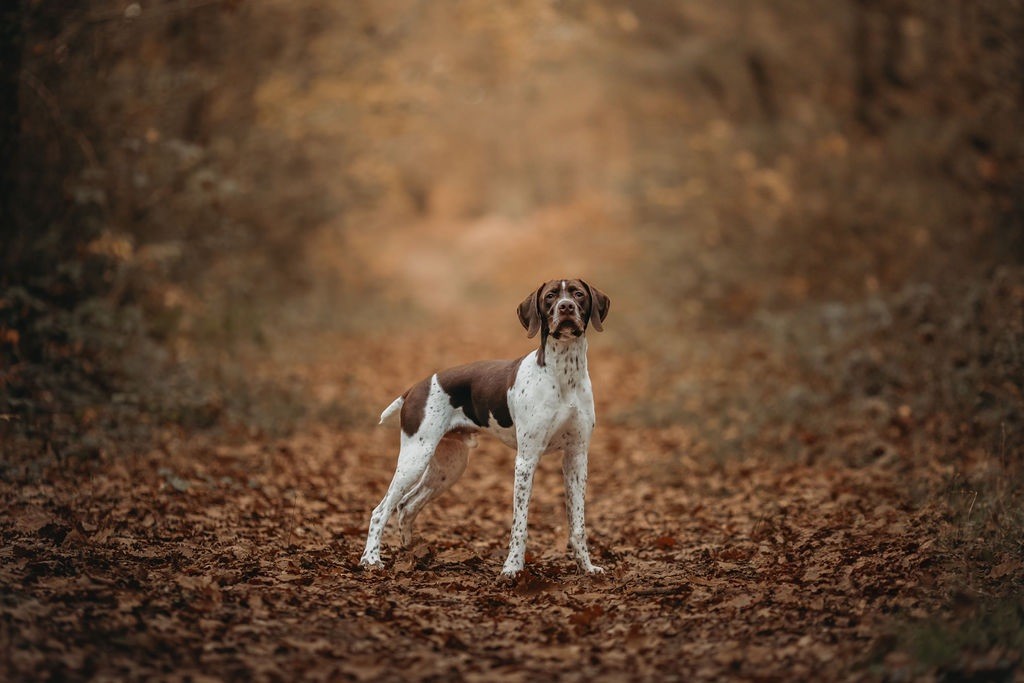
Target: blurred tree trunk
[[959, 63], [879, 47], [10, 69]]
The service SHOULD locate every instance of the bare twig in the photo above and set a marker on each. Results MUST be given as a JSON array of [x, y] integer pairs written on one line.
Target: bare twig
[[662, 590], [971, 507], [1002, 446], [48, 98]]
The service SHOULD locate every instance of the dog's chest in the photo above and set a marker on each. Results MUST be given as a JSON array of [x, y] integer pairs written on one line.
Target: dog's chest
[[553, 403]]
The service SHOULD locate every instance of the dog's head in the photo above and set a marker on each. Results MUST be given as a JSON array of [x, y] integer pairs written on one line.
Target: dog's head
[[563, 309]]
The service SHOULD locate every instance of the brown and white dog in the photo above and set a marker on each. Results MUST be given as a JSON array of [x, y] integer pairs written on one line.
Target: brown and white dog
[[538, 403]]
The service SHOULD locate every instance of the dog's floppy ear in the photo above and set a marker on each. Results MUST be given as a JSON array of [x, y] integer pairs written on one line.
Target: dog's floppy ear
[[529, 313], [599, 304]]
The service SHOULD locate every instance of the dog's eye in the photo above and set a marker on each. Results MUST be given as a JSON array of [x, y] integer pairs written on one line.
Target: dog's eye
[[550, 295], [578, 294]]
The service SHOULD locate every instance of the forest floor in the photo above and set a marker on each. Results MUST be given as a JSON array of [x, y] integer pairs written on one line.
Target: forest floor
[[235, 555]]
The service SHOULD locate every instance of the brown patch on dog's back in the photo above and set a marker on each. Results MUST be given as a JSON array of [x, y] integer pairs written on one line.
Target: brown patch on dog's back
[[481, 389], [415, 406]]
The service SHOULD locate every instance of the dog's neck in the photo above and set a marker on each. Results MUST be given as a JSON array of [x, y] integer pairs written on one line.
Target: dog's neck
[[566, 360]]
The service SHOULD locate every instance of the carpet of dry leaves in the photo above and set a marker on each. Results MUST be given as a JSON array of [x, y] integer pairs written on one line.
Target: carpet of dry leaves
[[236, 556]]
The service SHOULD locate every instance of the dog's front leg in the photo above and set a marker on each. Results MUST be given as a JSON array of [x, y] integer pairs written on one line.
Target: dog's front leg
[[574, 470], [527, 458]]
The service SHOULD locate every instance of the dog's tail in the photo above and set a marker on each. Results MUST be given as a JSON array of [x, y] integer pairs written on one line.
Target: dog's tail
[[391, 410]]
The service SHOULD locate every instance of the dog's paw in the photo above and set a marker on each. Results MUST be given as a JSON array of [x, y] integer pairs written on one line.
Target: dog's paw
[[510, 574], [594, 570], [372, 564]]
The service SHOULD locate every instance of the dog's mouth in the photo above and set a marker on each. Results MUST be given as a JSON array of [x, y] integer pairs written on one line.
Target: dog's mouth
[[566, 326]]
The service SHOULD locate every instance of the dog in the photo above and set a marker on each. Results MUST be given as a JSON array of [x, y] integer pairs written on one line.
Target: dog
[[537, 403]]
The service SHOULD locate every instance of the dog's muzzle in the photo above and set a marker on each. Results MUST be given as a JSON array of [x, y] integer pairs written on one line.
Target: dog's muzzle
[[566, 317]]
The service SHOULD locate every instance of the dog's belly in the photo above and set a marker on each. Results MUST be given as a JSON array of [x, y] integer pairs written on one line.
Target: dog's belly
[[507, 435]]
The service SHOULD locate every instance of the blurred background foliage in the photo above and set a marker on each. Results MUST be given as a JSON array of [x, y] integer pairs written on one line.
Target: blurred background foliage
[[797, 206]]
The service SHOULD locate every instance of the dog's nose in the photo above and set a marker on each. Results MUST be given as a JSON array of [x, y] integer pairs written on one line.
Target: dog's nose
[[565, 306]]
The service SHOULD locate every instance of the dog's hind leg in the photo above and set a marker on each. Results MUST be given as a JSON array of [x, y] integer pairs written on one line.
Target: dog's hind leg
[[413, 460], [445, 468]]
